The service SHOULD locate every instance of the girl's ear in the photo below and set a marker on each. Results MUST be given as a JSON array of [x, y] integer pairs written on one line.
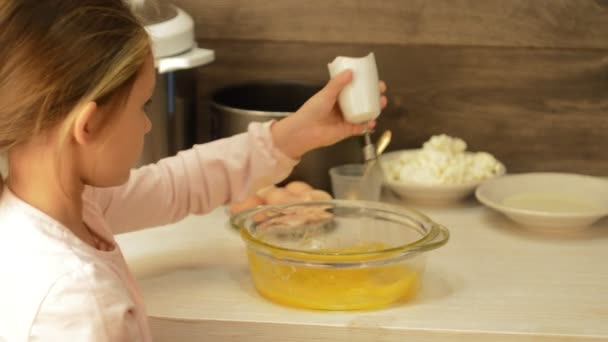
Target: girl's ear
[[85, 126]]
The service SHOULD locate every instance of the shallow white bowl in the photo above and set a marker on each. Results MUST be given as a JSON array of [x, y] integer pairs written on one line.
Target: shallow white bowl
[[546, 200], [427, 193]]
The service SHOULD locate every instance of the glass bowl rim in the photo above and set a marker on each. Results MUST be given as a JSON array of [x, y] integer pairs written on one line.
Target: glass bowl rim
[[436, 235]]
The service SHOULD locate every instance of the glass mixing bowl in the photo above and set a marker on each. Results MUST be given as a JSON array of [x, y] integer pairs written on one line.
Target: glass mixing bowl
[[339, 254]]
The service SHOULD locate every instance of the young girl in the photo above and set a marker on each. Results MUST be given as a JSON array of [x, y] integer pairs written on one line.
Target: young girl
[[75, 76]]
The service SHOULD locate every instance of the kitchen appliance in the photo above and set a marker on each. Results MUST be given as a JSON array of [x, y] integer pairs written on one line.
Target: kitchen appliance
[[176, 55], [360, 100], [234, 107]]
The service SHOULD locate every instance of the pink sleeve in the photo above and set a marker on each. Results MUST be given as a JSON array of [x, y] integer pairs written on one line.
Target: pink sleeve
[[195, 181]]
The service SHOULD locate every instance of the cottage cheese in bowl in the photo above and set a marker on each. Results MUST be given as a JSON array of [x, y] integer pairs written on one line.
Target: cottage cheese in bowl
[[441, 170]]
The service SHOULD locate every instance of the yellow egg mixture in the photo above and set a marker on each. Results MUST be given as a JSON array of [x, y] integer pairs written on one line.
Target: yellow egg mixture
[[352, 288]]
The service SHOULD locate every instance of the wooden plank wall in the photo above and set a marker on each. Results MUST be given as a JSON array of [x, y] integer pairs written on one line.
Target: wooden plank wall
[[526, 80]]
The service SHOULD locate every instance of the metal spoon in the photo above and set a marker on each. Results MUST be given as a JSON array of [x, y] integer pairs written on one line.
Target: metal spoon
[[383, 142], [381, 145]]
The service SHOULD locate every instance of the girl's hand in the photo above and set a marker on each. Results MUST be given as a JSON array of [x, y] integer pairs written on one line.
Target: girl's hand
[[319, 122]]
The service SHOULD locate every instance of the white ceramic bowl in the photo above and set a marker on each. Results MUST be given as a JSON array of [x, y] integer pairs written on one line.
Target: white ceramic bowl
[[547, 201], [427, 193]]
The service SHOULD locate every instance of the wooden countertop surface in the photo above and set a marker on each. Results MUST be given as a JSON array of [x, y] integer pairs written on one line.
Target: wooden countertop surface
[[492, 281]]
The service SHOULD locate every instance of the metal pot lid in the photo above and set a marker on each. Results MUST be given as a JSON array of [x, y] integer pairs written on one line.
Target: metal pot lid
[[170, 28]]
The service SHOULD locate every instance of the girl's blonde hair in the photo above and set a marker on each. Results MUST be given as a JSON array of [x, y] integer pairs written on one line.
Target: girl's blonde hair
[[56, 55]]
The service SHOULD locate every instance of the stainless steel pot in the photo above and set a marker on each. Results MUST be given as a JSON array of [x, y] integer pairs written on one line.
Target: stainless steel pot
[[176, 57], [172, 110], [234, 107]]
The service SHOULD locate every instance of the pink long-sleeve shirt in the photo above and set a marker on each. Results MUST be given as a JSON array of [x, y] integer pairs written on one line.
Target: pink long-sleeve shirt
[[55, 287]]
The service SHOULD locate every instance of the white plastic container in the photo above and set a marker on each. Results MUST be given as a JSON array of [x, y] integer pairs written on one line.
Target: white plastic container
[[360, 100]]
